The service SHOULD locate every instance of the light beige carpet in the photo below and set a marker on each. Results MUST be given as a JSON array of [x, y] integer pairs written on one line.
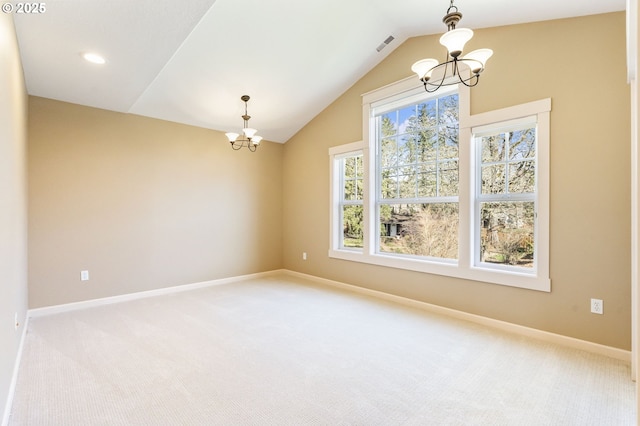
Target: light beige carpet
[[282, 351]]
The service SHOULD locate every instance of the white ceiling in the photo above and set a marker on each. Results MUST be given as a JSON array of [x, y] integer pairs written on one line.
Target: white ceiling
[[190, 61]]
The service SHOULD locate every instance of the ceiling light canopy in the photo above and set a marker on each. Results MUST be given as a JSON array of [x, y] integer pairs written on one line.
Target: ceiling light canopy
[[248, 138], [435, 75], [94, 58]]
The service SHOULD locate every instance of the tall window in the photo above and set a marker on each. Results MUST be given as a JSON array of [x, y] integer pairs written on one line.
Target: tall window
[[417, 178], [505, 207], [351, 172], [347, 194], [434, 189]]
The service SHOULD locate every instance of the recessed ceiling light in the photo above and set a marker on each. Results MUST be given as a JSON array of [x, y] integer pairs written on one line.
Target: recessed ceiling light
[[94, 58]]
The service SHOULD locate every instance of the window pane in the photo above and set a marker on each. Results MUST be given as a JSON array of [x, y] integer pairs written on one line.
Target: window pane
[[493, 179], [427, 180], [522, 177], [407, 181], [388, 124], [427, 146], [493, 148], [427, 114], [420, 229], [352, 236], [350, 167], [407, 149], [448, 143], [448, 178], [352, 177], [448, 110], [406, 119], [388, 153], [389, 184], [522, 144], [349, 190], [506, 233]]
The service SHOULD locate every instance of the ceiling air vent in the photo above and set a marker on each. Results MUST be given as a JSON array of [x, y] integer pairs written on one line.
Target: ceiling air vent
[[384, 43]]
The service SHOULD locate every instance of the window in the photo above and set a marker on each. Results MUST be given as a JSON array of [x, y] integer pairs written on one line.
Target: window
[[505, 201], [509, 174], [347, 166], [417, 178], [351, 194], [434, 189]]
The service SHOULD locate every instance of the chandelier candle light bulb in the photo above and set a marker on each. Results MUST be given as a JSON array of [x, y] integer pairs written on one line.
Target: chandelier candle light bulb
[[454, 40], [477, 59]]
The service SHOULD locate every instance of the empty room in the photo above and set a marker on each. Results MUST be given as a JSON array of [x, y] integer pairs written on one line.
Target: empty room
[[247, 212]]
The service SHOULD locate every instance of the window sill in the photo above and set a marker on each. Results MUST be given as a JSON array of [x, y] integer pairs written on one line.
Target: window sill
[[448, 268]]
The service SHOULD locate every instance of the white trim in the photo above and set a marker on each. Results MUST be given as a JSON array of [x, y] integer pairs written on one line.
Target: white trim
[[14, 376], [335, 182], [632, 39], [346, 148], [537, 112], [55, 309], [596, 348], [505, 126], [635, 232], [391, 90], [508, 114]]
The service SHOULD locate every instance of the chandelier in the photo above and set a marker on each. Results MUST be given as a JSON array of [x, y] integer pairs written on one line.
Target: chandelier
[[248, 138], [454, 40]]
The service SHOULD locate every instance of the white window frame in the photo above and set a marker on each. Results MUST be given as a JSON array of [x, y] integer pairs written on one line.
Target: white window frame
[[336, 154], [464, 267], [538, 113], [382, 107]]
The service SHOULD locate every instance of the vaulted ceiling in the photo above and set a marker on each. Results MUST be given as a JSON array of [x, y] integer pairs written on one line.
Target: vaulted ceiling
[[190, 61]]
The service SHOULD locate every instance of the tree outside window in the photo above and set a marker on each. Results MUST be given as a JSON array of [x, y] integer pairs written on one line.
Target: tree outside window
[[418, 179]]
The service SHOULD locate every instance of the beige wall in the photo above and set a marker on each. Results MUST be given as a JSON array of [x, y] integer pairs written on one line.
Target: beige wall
[[13, 204], [590, 175], [143, 204]]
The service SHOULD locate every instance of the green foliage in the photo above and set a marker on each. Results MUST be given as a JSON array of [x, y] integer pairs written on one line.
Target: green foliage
[[507, 231], [418, 157], [352, 220]]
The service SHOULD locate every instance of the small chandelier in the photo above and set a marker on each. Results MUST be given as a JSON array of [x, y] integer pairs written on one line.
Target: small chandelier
[[454, 40], [249, 138]]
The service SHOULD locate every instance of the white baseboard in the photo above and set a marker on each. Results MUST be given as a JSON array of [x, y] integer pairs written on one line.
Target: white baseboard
[[55, 309], [546, 336], [571, 342], [14, 376]]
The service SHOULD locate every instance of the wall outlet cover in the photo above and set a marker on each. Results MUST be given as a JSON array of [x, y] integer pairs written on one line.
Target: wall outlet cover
[[597, 306]]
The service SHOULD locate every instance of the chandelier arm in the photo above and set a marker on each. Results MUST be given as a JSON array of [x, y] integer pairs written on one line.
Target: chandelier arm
[[471, 80], [441, 83], [236, 146]]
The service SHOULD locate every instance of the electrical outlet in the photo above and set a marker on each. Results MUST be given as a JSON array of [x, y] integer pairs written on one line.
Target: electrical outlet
[[597, 306], [304, 255], [84, 275]]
